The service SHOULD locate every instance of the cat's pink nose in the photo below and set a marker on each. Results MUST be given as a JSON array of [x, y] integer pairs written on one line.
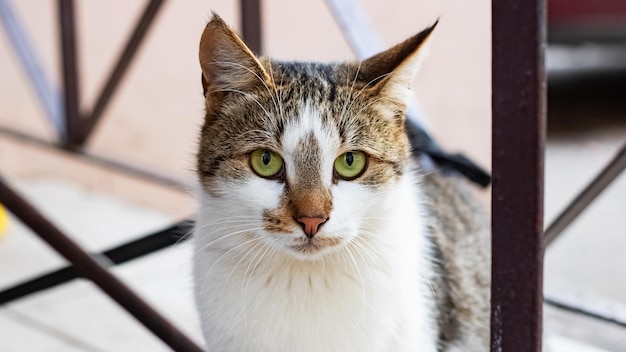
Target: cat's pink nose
[[310, 225]]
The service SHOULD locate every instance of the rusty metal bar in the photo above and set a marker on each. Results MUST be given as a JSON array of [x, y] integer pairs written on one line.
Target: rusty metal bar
[[251, 24], [587, 196], [518, 138], [71, 93], [121, 66], [90, 268]]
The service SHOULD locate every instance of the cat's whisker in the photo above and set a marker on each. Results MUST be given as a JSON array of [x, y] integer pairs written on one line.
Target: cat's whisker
[[362, 281], [345, 103], [264, 249], [228, 235], [212, 224], [371, 253], [252, 249], [244, 282], [282, 81], [379, 241], [268, 258], [370, 273], [187, 234], [208, 273], [230, 219], [360, 92], [249, 70], [367, 106], [216, 228], [249, 95], [229, 228], [235, 221], [280, 106]]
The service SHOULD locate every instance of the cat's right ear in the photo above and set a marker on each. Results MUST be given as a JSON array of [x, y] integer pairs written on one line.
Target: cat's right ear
[[228, 65]]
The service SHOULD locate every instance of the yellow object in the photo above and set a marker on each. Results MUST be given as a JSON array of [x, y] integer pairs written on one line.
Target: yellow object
[[4, 220]]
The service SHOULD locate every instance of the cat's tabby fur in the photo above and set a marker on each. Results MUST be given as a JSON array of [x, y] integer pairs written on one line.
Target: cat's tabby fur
[[400, 261]]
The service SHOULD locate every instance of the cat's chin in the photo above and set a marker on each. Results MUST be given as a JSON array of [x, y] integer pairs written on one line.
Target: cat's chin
[[314, 248]]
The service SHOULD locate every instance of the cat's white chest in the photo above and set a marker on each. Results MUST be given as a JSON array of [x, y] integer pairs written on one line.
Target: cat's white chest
[[316, 309]]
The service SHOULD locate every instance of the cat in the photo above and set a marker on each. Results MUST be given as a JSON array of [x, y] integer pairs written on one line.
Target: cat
[[316, 230]]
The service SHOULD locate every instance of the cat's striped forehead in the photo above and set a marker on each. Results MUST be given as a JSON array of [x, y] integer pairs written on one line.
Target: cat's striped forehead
[[309, 145]]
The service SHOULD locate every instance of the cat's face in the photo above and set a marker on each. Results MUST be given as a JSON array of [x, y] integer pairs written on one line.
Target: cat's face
[[300, 157]]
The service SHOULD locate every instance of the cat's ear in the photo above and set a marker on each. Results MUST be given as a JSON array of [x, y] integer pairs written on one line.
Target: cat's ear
[[390, 72], [227, 63]]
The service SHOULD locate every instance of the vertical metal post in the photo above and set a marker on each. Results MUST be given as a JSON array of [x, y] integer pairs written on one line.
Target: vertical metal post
[[71, 96], [251, 26], [518, 113]]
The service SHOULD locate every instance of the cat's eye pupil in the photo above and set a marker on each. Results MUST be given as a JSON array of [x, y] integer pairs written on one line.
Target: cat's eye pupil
[[266, 157], [349, 158]]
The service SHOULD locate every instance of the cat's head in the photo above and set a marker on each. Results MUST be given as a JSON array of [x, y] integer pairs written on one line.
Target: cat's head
[[301, 156]]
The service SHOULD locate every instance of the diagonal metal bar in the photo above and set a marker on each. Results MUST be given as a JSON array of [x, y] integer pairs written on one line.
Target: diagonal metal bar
[[518, 139], [71, 93], [147, 244], [48, 96], [610, 172], [252, 24], [123, 62], [91, 269]]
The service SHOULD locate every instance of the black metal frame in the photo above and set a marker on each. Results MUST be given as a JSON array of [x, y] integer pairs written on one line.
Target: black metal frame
[[518, 28]]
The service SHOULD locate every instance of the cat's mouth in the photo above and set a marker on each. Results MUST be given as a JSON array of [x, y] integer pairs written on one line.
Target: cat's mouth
[[315, 245]]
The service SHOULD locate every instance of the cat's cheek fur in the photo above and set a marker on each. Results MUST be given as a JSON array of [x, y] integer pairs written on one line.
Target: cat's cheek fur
[[237, 207], [346, 218]]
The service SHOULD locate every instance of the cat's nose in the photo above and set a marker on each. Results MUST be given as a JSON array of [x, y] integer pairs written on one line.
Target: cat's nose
[[310, 225]]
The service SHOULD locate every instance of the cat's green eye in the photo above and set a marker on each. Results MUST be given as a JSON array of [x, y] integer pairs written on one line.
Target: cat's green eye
[[350, 165], [266, 163]]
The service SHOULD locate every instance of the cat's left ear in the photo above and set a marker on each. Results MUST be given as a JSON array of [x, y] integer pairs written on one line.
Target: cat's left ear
[[227, 63], [390, 72]]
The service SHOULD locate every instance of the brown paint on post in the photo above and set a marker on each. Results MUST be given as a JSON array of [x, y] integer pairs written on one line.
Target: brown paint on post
[[518, 106]]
